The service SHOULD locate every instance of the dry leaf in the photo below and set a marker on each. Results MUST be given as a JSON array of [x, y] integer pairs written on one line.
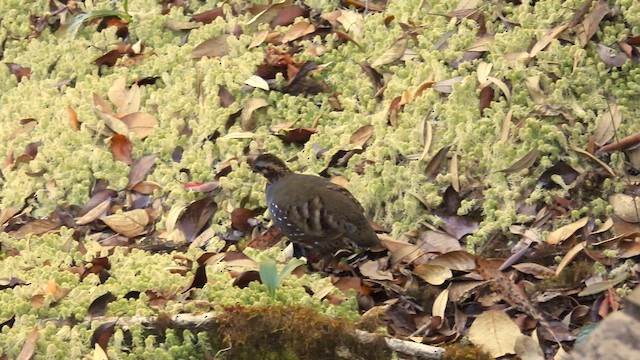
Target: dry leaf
[[528, 349], [446, 86], [214, 47], [440, 304], [297, 31], [116, 125], [494, 331], [250, 106], [360, 137], [626, 207], [73, 118], [29, 347], [141, 124], [121, 147], [94, 213], [140, 169], [257, 82], [523, 163], [433, 274], [371, 269], [569, 256], [537, 270], [563, 233], [128, 223], [546, 39], [607, 124], [392, 54], [456, 260]]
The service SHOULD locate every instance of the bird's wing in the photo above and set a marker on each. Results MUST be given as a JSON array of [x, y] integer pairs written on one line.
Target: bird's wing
[[344, 192]]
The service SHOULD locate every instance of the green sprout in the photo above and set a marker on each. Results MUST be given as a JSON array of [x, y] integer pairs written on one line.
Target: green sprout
[[270, 276]]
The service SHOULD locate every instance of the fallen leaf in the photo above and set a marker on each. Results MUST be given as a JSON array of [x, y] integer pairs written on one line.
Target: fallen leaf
[[440, 304], [128, 223], [392, 54], [250, 106], [257, 82], [494, 331], [19, 71], [73, 118], [626, 207], [121, 147], [433, 274], [360, 137], [141, 124], [102, 334], [611, 57], [29, 347], [140, 169], [523, 163], [546, 39], [527, 348], [561, 234], [537, 270], [607, 124], [98, 307], [456, 260], [297, 31], [214, 47]]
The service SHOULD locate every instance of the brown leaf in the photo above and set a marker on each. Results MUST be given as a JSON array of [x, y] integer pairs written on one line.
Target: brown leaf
[[98, 307], [392, 54], [36, 227], [286, 15], [523, 163], [73, 118], [11, 283], [141, 124], [195, 217], [494, 331], [456, 260], [360, 137], [626, 207], [128, 223], [563, 233], [140, 170], [433, 168], [610, 56], [591, 23], [537, 270], [296, 135], [240, 217], [214, 47], [434, 274], [121, 147], [226, 99], [19, 71], [297, 31], [95, 213], [376, 78], [199, 279], [102, 334], [203, 187], [29, 347], [250, 106], [547, 39], [208, 16]]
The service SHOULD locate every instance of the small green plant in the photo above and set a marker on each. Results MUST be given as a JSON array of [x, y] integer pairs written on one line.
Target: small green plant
[[95, 14], [272, 278]]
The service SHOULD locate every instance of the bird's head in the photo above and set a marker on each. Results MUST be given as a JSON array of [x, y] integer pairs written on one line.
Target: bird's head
[[270, 166]]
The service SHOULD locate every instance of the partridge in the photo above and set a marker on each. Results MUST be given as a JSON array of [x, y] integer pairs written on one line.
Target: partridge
[[313, 211]]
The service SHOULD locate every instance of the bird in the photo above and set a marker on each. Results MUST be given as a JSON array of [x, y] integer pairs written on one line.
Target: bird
[[313, 211]]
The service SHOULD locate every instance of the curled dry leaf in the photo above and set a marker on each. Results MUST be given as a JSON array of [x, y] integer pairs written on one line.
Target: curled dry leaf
[[250, 106], [129, 223], [433, 274], [257, 82], [440, 304], [494, 331], [73, 118], [537, 270], [563, 233]]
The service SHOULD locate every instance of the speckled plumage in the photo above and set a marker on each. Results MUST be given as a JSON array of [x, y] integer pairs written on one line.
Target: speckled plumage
[[313, 211]]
